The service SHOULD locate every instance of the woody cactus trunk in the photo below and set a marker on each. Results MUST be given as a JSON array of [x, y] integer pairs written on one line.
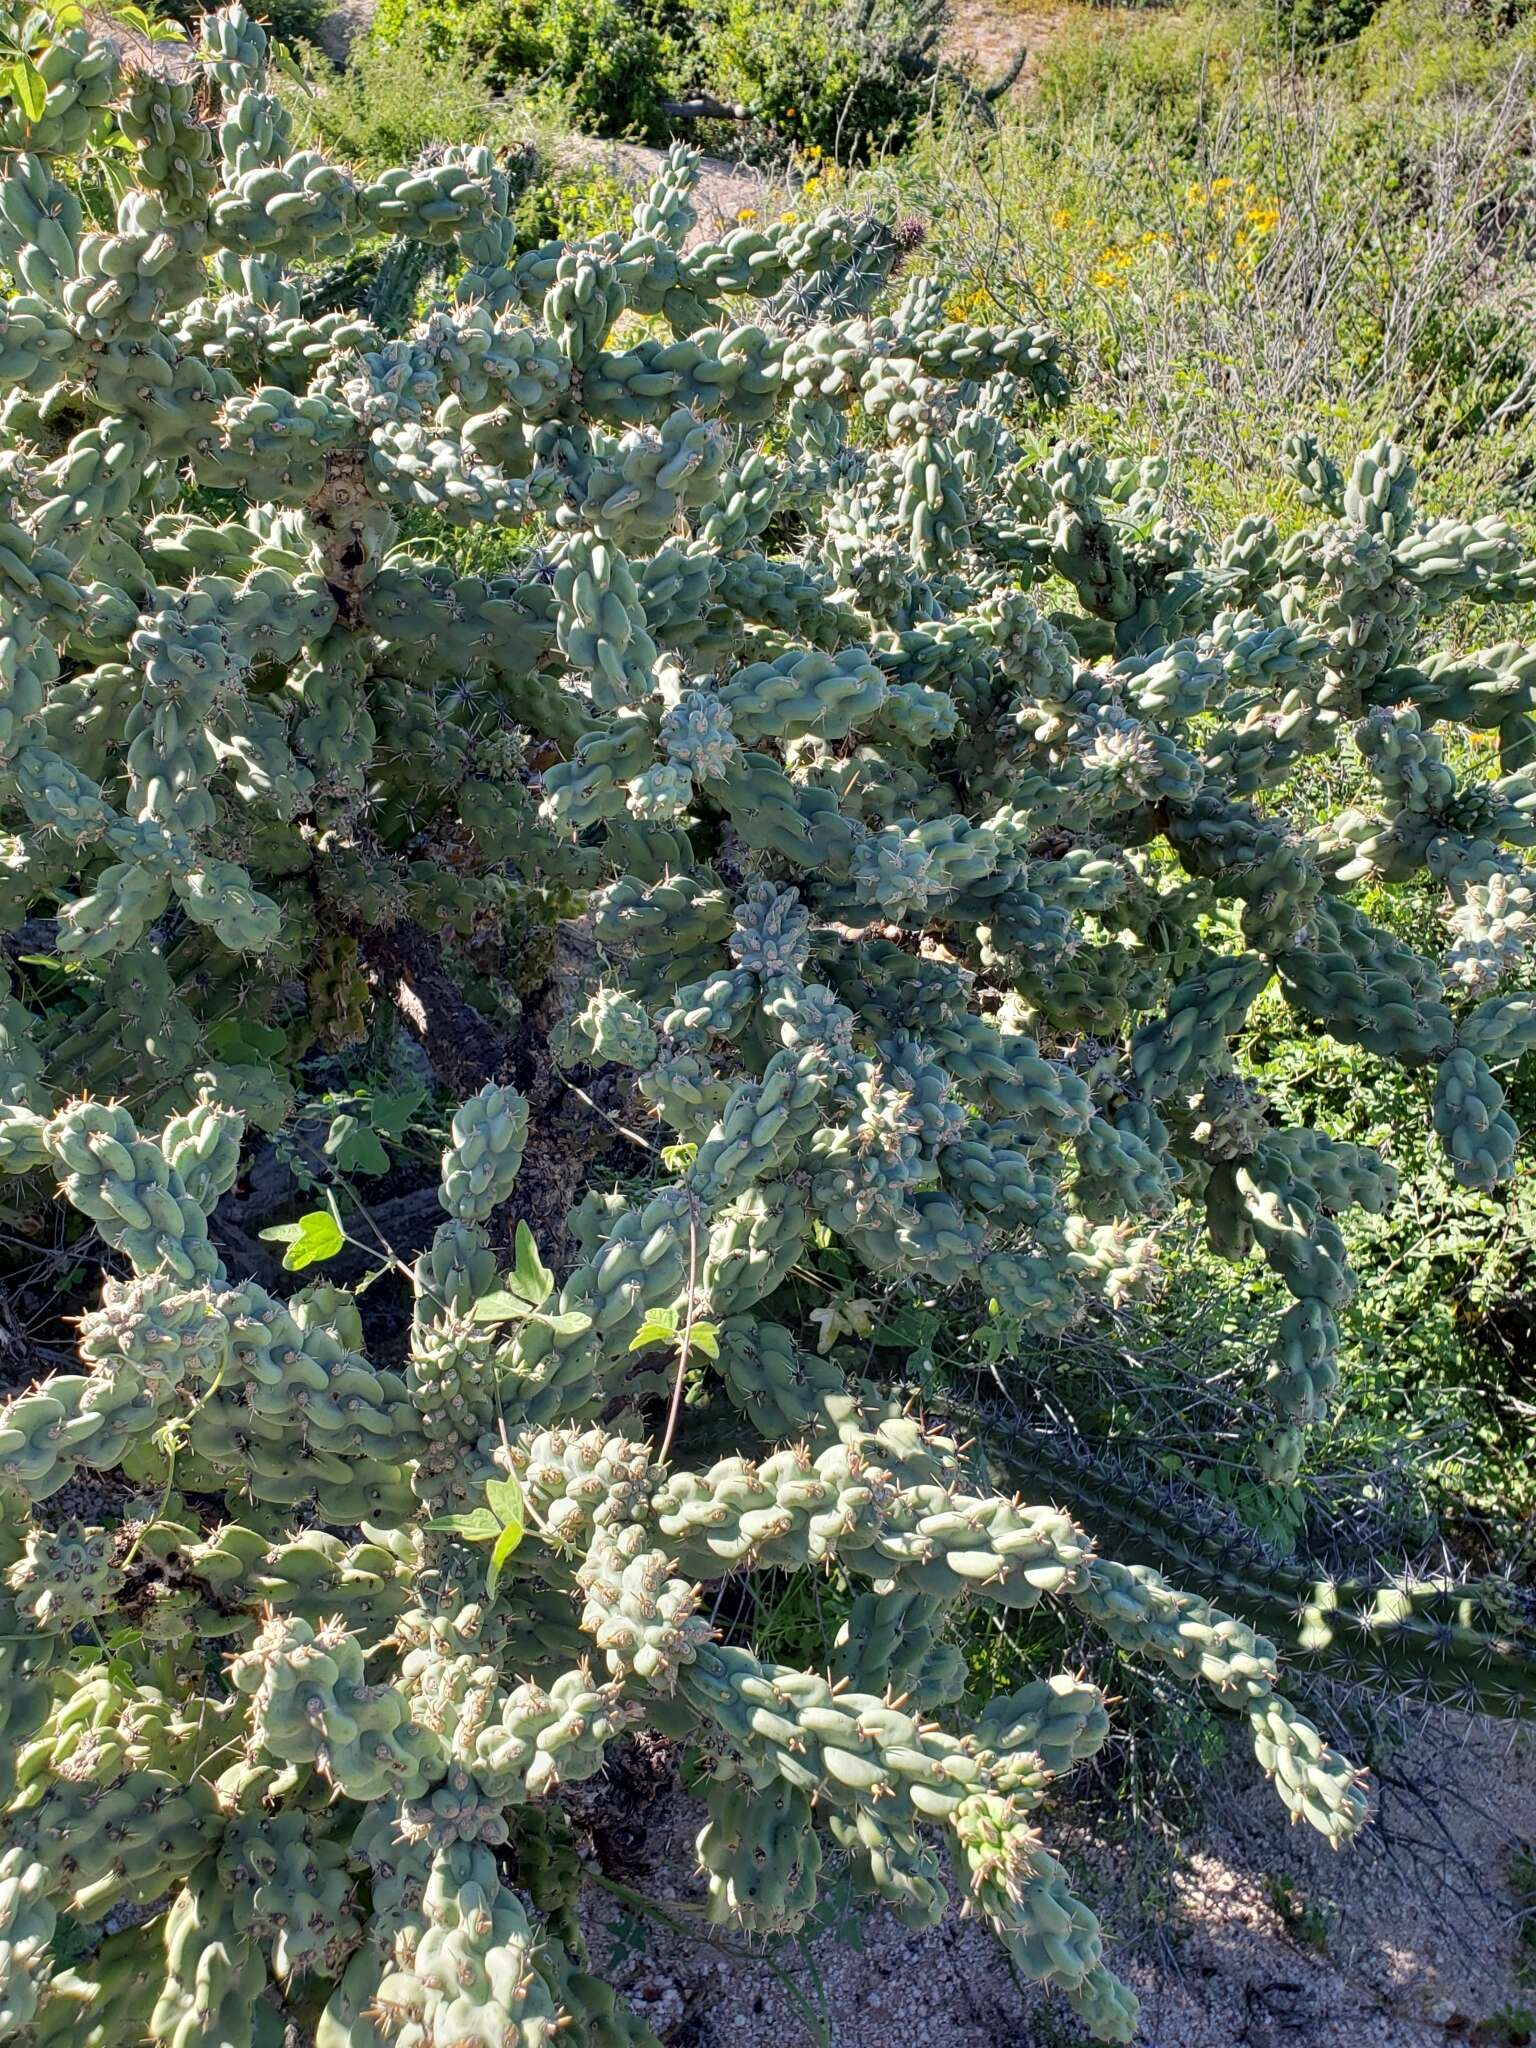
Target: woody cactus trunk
[[922, 787]]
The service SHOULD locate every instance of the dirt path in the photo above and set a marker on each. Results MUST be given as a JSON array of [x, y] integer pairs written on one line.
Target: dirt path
[[984, 37], [724, 192]]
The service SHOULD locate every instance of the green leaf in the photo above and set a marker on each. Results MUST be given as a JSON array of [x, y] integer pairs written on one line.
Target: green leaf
[[706, 1338], [506, 1543], [678, 1158], [242, 1042], [506, 1500], [531, 1278], [285, 61], [390, 1113], [908, 1328], [355, 1146], [499, 1307], [480, 1526], [570, 1322], [659, 1327], [29, 88], [314, 1237], [528, 1285]]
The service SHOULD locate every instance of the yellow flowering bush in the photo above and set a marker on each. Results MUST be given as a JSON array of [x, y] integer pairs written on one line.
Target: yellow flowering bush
[[1229, 217]]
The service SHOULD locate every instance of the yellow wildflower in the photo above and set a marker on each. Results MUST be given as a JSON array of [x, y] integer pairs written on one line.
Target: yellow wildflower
[[747, 213]]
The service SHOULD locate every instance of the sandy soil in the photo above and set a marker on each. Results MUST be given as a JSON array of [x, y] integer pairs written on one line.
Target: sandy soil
[[1408, 1941]]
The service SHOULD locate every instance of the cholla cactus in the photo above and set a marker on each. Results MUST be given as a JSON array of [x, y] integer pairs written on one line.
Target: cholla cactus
[[426, 1709], [927, 907]]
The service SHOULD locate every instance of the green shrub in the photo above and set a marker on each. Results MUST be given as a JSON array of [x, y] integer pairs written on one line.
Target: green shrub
[[601, 62], [1312, 25], [609, 63], [1444, 1324], [397, 100], [507, 42], [1229, 244], [286, 21], [570, 197], [846, 78], [1133, 75]]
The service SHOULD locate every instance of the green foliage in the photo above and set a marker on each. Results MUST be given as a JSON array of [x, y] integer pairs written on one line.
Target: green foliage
[[315, 1237], [603, 65], [505, 41], [608, 63], [1512, 2026], [1134, 75], [921, 779], [399, 98], [571, 198], [290, 22], [1232, 245], [842, 78], [1323, 24], [1444, 1275]]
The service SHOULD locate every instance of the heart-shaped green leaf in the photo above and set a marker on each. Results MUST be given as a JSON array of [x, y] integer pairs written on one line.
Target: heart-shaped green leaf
[[244, 1043], [355, 1146], [390, 1113], [314, 1237], [659, 1327]]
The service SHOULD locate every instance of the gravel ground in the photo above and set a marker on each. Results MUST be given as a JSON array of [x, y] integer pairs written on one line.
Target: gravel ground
[[1408, 1941]]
